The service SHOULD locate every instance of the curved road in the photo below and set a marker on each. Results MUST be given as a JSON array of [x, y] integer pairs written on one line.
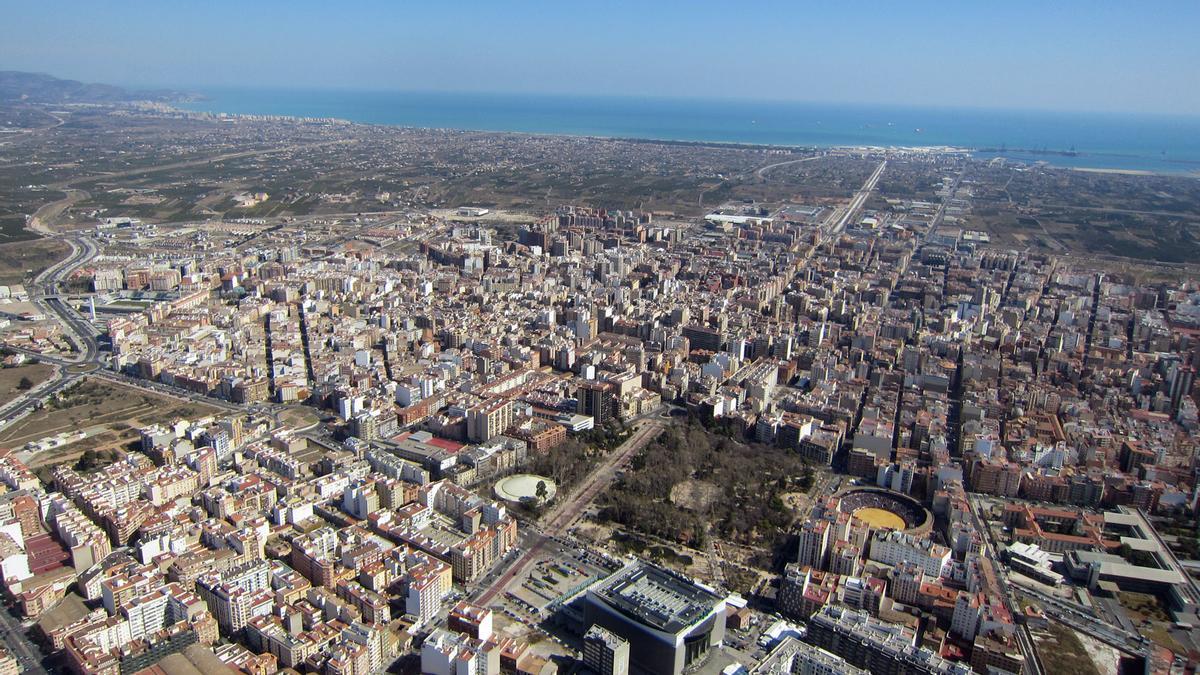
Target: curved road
[[43, 292]]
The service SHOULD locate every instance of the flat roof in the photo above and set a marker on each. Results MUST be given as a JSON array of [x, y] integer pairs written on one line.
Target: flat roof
[[657, 597], [68, 611], [1114, 566]]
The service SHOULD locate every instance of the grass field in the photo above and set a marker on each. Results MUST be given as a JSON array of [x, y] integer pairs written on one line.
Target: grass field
[[94, 403], [24, 259], [10, 379]]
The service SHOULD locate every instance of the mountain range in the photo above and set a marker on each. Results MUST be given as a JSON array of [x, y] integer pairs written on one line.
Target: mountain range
[[17, 86]]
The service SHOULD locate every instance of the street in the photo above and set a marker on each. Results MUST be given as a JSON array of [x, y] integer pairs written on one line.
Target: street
[[18, 644], [558, 520]]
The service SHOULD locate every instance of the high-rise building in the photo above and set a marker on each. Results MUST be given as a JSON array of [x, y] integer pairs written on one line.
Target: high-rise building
[[813, 544], [489, 419], [598, 400], [429, 581], [605, 652], [702, 337], [892, 548]]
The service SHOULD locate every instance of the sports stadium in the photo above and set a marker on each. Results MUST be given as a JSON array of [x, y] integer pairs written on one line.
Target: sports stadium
[[882, 509]]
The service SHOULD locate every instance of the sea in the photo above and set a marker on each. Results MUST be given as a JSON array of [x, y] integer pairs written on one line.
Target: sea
[[1110, 141]]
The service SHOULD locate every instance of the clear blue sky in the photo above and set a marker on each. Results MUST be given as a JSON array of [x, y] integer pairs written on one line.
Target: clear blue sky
[[1072, 55]]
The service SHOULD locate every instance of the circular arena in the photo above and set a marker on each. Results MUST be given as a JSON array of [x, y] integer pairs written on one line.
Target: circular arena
[[522, 487], [880, 509]]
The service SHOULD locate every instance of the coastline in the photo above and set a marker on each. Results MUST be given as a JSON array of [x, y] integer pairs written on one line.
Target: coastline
[[1123, 172], [1106, 161]]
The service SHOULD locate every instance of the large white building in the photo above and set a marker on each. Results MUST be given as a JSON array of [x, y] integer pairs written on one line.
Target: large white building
[[147, 613], [669, 621], [238, 595], [793, 657], [429, 582], [893, 548]]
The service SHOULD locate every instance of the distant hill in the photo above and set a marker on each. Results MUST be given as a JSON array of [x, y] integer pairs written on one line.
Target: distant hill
[[17, 86]]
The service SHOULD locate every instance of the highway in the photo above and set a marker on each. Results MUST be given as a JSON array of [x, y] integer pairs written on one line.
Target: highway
[[44, 293], [843, 216], [20, 407], [762, 171], [558, 519]]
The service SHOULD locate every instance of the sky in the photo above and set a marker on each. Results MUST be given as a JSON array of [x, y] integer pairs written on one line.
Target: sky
[[1099, 55]]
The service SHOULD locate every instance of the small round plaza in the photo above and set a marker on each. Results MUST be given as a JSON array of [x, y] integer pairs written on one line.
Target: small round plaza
[[522, 487]]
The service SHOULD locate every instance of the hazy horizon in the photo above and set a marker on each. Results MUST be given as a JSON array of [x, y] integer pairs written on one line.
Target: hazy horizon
[[202, 89], [1071, 57]]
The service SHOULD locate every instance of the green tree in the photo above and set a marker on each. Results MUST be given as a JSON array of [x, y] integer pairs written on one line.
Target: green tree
[[25, 384], [89, 460], [540, 492]]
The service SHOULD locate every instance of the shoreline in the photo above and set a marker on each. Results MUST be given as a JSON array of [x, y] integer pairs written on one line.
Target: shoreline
[[1123, 172], [968, 151]]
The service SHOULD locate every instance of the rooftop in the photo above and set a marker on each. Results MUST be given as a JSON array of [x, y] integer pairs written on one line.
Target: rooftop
[[657, 597]]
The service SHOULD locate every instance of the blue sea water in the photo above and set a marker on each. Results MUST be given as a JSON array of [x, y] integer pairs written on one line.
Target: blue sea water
[[1108, 141]]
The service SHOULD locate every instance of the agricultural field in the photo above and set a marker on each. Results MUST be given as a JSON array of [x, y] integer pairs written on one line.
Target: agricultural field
[[1139, 217]]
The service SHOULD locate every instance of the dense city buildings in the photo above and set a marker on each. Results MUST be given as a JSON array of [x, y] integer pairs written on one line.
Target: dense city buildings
[[824, 424]]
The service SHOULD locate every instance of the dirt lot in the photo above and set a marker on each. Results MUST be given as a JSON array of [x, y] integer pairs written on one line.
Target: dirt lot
[[695, 495], [1147, 611], [96, 403], [23, 259], [1063, 652], [71, 452], [298, 418], [10, 379]]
